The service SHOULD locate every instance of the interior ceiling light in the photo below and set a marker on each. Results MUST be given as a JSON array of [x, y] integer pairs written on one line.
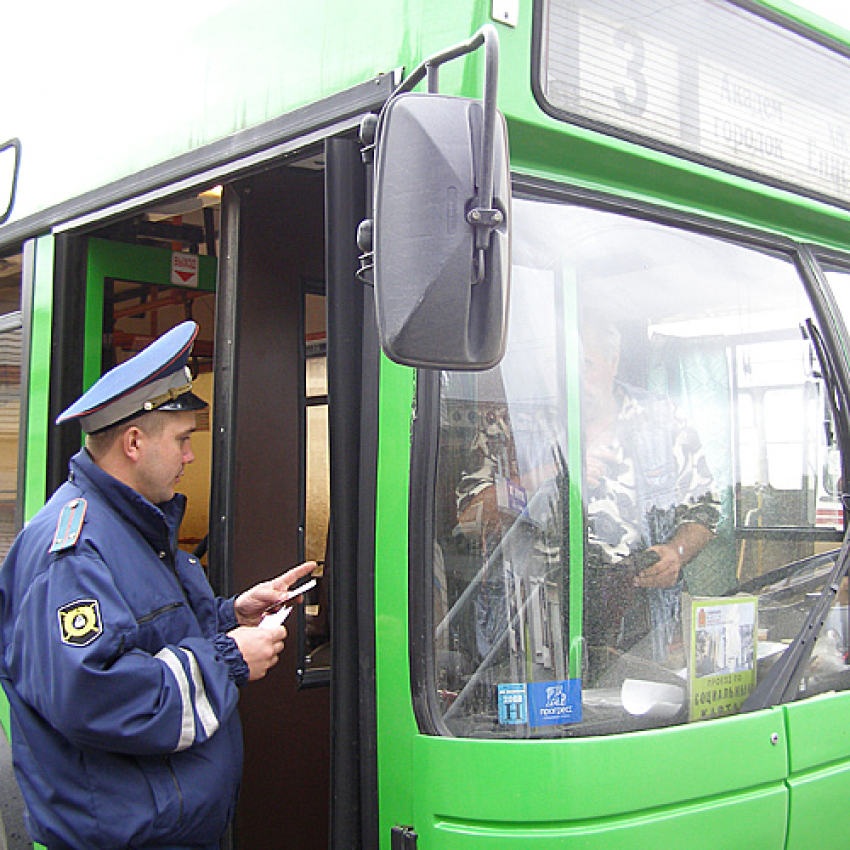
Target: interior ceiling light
[[184, 206]]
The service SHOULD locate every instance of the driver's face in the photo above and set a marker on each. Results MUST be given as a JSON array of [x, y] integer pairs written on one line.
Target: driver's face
[[599, 372]]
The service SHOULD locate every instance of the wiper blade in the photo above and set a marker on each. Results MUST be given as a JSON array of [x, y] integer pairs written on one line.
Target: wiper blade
[[783, 679]]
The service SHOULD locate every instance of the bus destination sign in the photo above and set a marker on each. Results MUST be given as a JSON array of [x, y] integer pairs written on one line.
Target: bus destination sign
[[706, 79]]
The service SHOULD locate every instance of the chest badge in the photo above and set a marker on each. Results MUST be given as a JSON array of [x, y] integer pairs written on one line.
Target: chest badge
[[79, 622], [69, 526]]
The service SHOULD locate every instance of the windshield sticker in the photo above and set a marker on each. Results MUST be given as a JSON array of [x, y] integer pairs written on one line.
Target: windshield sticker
[[513, 704], [540, 703], [554, 702], [723, 655]]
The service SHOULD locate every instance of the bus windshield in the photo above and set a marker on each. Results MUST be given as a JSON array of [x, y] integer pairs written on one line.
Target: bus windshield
[[636, 508]]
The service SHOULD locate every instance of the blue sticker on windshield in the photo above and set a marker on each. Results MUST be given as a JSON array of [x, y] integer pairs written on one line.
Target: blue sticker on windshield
[[513, 704], [540, 703], [554, 702]]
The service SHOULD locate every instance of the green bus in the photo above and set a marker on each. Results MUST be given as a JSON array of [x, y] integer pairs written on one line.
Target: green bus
[[526, 320]]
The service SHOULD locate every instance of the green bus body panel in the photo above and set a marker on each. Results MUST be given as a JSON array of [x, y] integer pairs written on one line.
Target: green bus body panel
[[397, 784], [545, 147], [632, 791], [818, 732], [4, 715], [819, 808], [35, 483], [242, 63], [135, 264], [757, 821], [251, 61], [97, 270], [591, 779], [819, 756], [35, 480], [141, 264]]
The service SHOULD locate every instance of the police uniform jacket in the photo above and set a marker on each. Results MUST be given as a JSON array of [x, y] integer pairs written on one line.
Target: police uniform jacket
[[121, 682]]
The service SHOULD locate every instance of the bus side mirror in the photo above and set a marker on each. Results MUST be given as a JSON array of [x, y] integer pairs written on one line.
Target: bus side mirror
[[441, 258], [438, 249]]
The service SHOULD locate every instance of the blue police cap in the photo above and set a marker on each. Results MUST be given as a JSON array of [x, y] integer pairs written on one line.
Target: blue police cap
[[157, 378]]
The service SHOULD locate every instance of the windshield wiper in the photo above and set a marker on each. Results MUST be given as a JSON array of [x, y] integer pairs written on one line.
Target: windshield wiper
[[782, 681]]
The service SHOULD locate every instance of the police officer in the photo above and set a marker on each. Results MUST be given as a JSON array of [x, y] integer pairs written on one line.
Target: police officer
[[121, 667]]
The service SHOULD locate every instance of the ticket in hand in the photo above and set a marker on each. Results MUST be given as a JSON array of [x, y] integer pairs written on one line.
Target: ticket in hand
[[275, 619]]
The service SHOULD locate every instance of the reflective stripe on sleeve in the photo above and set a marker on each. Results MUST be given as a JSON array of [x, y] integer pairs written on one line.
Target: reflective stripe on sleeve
[[202, 704], [187, 726]]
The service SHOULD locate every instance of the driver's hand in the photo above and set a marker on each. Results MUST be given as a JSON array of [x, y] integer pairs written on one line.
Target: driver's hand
[[665, 571]]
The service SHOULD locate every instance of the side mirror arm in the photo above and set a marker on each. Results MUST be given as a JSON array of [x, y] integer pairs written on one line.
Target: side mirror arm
[[483, 216]]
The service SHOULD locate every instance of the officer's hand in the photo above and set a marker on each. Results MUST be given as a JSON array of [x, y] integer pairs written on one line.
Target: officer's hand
[[259, 647], [268, 595]]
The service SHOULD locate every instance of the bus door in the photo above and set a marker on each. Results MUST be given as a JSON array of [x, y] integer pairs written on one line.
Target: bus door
[[289, 380], [270, 376], [661, 396], [265, 265]]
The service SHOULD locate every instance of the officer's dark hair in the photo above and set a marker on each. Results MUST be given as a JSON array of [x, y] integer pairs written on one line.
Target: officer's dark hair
[[100, 442]]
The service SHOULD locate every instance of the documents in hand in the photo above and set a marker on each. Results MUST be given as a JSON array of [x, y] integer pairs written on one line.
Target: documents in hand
[[275, 619]]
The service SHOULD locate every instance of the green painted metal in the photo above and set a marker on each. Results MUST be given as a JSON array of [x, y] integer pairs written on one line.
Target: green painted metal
[[819, 760], [133, 263], [96, 273], [141, 264], [35, 483], [397, 731], [243, 62], [544, 147], [254, 60], [4, 714], [723, 784], [39, 389], [633, 791], [575, 461]]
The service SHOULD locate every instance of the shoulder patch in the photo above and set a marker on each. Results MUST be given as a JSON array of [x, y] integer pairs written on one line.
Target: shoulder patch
[[69, 526], [79, 622]]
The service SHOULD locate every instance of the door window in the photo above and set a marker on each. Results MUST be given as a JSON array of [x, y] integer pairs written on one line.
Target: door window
[[10, 416], [636, 509], [314, 615], [10, 395]]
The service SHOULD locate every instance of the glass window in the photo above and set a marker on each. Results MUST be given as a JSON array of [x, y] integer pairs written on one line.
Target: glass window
[[636, 508], [10, 415], [314, 616], [10, 395]]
